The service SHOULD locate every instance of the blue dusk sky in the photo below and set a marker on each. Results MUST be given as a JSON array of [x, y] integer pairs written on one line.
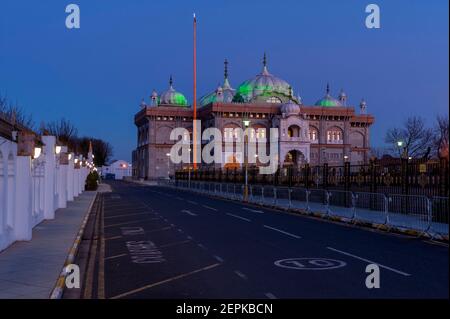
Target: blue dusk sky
[[96, 76]]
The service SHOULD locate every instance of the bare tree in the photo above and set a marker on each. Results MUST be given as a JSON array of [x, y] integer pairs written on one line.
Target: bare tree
[[103, 152], [441, 136], [15, 113], [416, 139], [64, 131]]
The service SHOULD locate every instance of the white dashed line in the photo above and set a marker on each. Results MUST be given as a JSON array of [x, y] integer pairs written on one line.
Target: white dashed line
[[369, 261], [189, 237], [270, 295], [237, 272], [211, 208], [188, 212], [282, 231], [201, 246], [192, 202], [253, 210], [219, 259], [240, 217]]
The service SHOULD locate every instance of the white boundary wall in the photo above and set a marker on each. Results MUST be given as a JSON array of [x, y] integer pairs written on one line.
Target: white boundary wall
[[32, 189]]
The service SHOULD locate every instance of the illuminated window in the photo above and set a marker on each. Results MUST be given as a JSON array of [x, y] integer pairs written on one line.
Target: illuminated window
[[313, 134], [334, 136], [273, 99]]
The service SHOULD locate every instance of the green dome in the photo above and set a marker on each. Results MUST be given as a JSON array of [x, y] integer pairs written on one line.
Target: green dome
[[328, 100], [263, 87], [172, 97]]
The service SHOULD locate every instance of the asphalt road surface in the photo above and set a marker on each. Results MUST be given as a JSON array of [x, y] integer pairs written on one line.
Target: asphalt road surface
[[157, 242]]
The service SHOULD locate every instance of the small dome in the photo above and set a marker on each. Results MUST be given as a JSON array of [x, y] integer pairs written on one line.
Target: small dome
[[290, 108], [224, 93], [172, 97], [154, 98], [328, 100], [264, 84]]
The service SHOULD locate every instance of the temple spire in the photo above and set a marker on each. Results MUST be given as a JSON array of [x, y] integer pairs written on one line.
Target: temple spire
[[170, 81], [265, 71], [226, 84], [225, 69], [328, 88]]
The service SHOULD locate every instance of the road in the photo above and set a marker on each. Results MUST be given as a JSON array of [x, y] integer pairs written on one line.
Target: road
[[157, 242]]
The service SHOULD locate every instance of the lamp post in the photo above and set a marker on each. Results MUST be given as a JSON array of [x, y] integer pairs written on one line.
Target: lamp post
[[189, 169], [399, 145], [246, 125], [168, 165]]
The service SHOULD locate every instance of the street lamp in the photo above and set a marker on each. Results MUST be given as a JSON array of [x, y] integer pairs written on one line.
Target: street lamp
[[37, 152], [58, 149], [399, 143], [246, 125]]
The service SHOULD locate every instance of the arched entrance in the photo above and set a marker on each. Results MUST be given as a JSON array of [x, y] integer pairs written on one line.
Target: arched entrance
[[294, 159]]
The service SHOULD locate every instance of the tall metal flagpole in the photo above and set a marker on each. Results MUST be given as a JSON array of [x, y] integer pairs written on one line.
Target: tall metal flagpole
[[194, 135]]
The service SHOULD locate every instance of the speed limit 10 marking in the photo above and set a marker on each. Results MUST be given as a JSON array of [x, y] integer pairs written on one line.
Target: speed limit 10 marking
[[310, 263]]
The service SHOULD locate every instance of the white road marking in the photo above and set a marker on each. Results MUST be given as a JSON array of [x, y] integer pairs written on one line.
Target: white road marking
[[188, 212], [369, 261], [201, 246], [189, 237], [270, 295], [179, 198], [192, 202], [219, 259], [253, 210], [237, 272], [240, 217], [282, 231], [211, 208], [180, 230]]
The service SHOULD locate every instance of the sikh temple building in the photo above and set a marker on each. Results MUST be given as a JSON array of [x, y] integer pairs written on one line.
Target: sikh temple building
[[328, 131]]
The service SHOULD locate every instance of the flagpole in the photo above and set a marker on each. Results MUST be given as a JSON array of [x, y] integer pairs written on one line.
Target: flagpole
[[194, 135]]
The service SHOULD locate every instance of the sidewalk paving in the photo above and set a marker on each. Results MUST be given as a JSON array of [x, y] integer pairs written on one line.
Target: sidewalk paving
[[29, 270]]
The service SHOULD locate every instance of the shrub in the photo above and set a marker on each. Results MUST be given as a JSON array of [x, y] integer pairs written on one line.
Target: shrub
[[92, 181]]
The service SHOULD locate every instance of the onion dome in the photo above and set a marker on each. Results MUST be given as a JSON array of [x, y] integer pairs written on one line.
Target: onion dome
[[224, 93], [172, 97], [342, 97], [263, 87], [290, 107], [328, 100], [154, 98]]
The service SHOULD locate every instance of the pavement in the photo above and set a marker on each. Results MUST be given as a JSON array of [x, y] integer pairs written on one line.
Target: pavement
[[29, 270], [159, 242]]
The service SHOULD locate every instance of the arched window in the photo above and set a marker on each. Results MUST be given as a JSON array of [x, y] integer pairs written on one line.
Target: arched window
[[294, 131], [313, 134], [334, 136]]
